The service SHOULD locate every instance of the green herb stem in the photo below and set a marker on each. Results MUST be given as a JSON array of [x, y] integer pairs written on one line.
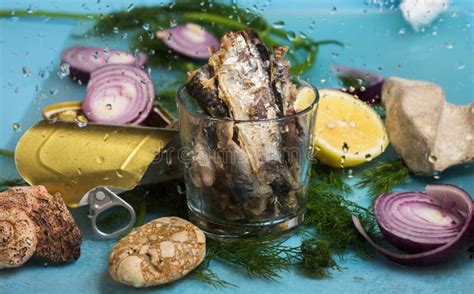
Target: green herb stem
[[42, 13], [212, 18], [262, 257], [141, 214], [7, 153]]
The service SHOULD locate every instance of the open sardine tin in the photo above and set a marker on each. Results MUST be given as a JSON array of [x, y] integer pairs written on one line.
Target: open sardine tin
[[87, 164], [72, 160]]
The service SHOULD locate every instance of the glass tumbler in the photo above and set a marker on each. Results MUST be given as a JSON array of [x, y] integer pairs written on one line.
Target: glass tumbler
[[245, 178]]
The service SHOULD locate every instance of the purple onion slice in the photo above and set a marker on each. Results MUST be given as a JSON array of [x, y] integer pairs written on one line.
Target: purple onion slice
[[119, 94], [432, 225], [190, 40], [84, 60], [366, 85]]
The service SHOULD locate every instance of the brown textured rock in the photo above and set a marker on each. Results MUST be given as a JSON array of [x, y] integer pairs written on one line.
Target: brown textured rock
[[59, 238], [162, 251], [429, 133], [17, 238]]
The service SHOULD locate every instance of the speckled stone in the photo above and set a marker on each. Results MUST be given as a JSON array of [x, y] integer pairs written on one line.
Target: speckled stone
[[162, 251], [17, 238]]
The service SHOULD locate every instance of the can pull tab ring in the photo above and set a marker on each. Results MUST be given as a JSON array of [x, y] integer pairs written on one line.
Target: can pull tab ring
[[100, 199]]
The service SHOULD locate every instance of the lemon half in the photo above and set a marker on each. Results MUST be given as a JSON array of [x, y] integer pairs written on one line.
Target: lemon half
[[348, 132]]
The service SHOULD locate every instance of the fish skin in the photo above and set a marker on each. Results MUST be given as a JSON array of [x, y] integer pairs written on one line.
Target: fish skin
[[284, 90], [245, 185], [202, 87], [250, 98], [243, 79]]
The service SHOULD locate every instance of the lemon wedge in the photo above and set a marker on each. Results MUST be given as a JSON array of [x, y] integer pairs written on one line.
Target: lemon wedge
[[348, 132]]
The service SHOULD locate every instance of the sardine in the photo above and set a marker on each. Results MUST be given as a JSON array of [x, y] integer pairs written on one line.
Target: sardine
[[202, 87], [284, 90], [244, 85], [243, 81]]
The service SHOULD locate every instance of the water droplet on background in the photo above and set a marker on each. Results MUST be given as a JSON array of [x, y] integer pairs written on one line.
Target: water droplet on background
[[278, 24], [26, 71], [16, 127], [64, 70], [130, 7], [291, 35], [449, 45]]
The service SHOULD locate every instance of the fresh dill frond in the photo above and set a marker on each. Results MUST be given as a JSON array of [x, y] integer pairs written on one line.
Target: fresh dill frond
[[331, 213], [259, 257], [8, 182], [384, 177], [317, 258], [206, 275], [330, 178]]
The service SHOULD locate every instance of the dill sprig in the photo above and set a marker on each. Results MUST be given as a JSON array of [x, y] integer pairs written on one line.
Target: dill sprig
[[317, 258], [259, 257], [206, 275], [384, 177], [331, 213]]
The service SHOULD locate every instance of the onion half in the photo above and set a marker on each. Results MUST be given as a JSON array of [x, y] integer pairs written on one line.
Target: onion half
[[84, 60], [431, 226], [119, 94], [367, 85], [190, 40]]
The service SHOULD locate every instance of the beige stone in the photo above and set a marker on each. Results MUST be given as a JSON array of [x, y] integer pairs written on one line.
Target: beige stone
[[429, 133], [159, 252], [17, 238]]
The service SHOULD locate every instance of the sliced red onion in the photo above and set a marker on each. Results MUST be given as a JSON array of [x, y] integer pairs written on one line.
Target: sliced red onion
[[190, 40], [84, 60], [433, 225], [367, 85], [119, 94]]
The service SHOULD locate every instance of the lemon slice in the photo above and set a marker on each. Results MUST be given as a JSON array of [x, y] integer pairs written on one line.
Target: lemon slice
[[348, 132]]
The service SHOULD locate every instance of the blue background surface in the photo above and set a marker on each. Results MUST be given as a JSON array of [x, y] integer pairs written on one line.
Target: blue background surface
[[375, 37]]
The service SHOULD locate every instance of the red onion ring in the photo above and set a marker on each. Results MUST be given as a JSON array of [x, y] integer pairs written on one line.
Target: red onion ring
[[190, 40], [424, 229], [369, 87], [118, 94], [84, 60]]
